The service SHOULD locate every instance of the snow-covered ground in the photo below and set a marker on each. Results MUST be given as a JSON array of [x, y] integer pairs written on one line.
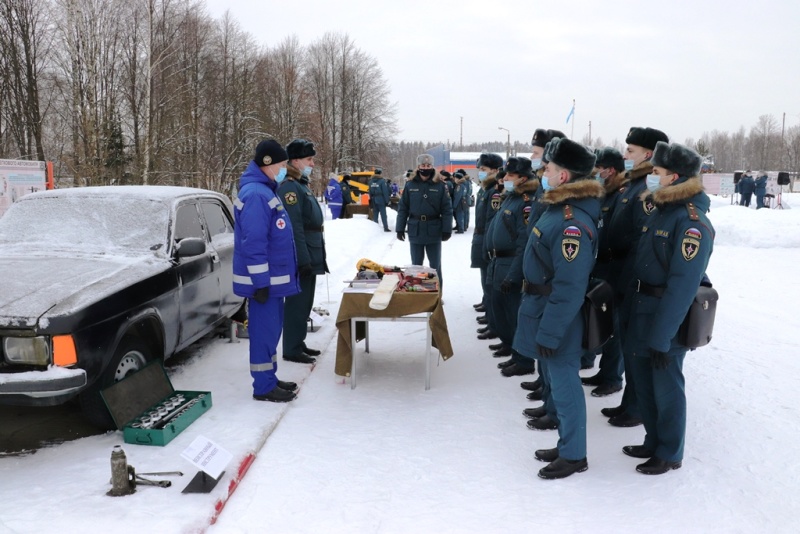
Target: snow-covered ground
[[392, 457]]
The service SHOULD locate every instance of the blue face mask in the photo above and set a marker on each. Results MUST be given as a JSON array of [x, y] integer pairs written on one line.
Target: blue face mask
[[281, 175], [508, 185], [482, 175], [598, 178], [628, 164], [653, 182], [546, 184], [307, 171], [536, 163]]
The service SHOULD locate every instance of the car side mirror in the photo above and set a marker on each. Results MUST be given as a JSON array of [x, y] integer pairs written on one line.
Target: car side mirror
[[190, 246]]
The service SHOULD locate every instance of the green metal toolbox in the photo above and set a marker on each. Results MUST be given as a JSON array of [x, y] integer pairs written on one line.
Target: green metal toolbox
[[147, 408]]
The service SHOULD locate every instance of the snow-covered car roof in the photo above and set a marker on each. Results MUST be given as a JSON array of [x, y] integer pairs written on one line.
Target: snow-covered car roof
[[106, 220]]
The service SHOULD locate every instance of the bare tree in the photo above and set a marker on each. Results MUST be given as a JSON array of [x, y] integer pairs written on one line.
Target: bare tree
[[23, 40]]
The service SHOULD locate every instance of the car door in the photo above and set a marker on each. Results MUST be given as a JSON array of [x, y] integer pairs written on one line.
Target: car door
[[198, 277], [219, 226]]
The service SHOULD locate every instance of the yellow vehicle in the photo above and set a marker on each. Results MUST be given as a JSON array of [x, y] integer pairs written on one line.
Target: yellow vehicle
[[359, 183]]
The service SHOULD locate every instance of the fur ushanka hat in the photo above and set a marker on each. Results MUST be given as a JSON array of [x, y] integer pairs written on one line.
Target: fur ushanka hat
[[676, 158]]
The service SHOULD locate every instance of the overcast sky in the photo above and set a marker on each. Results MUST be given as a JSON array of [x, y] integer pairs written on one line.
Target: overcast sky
[[682, 66]]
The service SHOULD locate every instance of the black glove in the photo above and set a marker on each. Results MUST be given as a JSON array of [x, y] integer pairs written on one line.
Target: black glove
[[505, 287], [305, 270], [401, 236], [545, 352], [658, 359], [446, 236], [262, 294]]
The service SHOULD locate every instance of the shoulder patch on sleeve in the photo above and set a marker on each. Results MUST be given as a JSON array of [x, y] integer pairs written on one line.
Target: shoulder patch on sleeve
[[572, 231], [290, 198], [570, 248], [689, 248]]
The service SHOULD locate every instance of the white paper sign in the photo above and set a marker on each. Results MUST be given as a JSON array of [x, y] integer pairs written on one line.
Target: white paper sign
[[207, 456], [316, 318]]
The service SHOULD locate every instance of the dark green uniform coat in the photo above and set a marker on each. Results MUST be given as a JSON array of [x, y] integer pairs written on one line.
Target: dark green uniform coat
[[425, 208], [672, 255], [560, 254]]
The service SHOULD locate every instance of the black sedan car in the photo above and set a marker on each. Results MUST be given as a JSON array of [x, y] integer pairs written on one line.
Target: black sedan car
[[95, 282]]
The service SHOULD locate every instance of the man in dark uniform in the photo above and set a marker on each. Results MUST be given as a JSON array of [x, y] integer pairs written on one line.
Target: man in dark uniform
[[426, 209], [624, 229], [489, 330], [539, 389], [460, 201], [264, 265], [505, 239], [347, 195], [557, 262], [670, 262], [747, 187], [379, 195], [761, 189], [488, 166], [608, 380], [307, 219]]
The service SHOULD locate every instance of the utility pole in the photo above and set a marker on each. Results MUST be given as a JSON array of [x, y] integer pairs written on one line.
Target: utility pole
[[508, 142], [783, 147], [590, 133], [461, 139]]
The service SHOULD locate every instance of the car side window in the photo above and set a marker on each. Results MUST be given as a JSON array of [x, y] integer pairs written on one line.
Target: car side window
[[216, 221], [187, 222]]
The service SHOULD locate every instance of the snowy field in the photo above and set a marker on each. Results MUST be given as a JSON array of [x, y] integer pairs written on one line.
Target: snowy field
[[390, 457]]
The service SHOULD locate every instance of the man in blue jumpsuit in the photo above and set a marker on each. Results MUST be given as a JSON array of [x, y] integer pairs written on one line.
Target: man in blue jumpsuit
[[333, 196], [425, 208], [379, 195], [557, 262], [671, 260], [264, 265], [307, 219]]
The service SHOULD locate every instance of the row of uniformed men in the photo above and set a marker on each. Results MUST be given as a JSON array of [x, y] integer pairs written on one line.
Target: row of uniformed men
[[542, 230]]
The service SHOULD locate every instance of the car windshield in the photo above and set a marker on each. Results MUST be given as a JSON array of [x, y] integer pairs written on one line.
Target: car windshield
[[100, 223]]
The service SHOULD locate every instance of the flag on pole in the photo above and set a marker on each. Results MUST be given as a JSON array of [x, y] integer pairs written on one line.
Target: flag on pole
[[571, 111]]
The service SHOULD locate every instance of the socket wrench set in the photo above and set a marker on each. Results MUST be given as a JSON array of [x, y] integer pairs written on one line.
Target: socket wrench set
[[149, 411]]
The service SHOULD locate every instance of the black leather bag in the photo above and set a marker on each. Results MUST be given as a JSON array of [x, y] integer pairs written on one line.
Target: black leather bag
[[598, 314], [698, 326]]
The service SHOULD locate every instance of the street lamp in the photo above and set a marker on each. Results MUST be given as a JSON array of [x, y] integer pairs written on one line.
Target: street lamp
[[508, 142]]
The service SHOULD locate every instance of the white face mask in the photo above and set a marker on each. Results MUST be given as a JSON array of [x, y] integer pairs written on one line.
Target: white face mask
[[629, 164], [653, 182], [536, 163]]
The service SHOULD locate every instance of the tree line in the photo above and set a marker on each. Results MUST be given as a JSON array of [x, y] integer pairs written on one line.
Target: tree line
[[159, 92]]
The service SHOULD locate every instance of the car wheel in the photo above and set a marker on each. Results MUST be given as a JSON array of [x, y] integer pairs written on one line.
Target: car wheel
[[131, 355]]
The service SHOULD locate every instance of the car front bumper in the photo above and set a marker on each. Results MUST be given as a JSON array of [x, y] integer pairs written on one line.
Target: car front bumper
[[53, 386]]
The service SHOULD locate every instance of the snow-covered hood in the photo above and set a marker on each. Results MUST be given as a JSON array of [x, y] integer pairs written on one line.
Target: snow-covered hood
[[41, 286]]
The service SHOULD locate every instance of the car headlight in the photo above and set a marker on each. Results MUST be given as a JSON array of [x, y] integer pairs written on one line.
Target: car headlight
[[27, 350]]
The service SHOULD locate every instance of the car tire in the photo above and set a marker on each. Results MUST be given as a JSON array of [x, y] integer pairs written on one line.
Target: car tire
[[131, 355]]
